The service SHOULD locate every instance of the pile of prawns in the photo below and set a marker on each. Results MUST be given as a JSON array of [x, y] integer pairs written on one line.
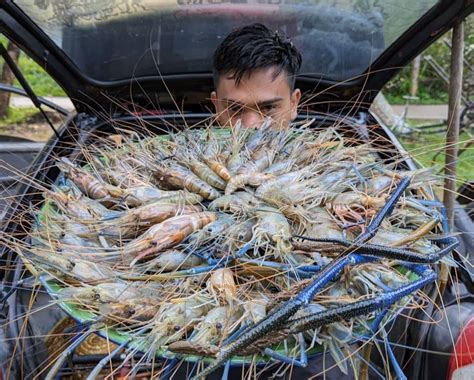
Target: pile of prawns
[[195, 244]]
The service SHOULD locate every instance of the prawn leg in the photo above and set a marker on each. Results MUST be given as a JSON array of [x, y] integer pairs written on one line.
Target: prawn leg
[[83, 334], [396, 366], [205, 254], [381, 251], [225, 373], [374, 328], [176, 274], [436, 204], [169, 369], [385, 211], [374, 303], [302, 362], [106, 360], [358, 174], [306, 271]]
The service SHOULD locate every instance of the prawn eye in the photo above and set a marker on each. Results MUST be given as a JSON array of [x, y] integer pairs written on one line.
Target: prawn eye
[[97, 296], [218, 325], [177, 327]]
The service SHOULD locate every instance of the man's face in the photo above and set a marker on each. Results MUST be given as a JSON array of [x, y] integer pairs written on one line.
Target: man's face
[[257, 96]]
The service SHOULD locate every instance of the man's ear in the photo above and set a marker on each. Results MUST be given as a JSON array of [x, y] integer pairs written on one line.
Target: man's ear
[[214, 99], [295, 101]]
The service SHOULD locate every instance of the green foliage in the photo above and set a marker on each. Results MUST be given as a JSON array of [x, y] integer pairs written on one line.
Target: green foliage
[[40, 81], [425, 147], [17, 116], [432, 89]]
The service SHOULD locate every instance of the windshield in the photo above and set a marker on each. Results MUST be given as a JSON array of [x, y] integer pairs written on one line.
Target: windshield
[[119, 39]]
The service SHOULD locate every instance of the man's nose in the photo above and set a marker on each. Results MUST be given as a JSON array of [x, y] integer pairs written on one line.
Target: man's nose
[[252, 118]]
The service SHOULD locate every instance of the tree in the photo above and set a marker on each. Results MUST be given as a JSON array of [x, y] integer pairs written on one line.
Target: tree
[[415, 75], [7, 77]]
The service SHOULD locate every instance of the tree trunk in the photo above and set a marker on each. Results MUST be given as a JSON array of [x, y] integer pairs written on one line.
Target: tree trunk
[[415, 75], [7, 78], [454, 112], [452, 136]]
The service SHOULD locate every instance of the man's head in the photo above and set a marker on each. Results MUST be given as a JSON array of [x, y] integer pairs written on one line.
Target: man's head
[[254, 77]]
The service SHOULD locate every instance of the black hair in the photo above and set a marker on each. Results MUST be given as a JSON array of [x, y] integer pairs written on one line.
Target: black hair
[[256, 47]]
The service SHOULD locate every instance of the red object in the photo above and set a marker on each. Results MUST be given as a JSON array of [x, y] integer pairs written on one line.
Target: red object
[[463, 353]]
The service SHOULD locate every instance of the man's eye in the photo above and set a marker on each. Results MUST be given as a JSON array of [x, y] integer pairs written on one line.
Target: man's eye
[[266, 109], [234, 109]]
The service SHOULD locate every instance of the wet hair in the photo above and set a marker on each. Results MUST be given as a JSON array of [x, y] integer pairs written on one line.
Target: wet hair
[[255, 47]]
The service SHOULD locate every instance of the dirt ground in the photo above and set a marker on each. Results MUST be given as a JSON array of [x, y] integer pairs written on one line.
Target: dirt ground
[[33, 128]]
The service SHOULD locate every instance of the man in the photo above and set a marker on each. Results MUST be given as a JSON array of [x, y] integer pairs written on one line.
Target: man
[[254, 77]]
